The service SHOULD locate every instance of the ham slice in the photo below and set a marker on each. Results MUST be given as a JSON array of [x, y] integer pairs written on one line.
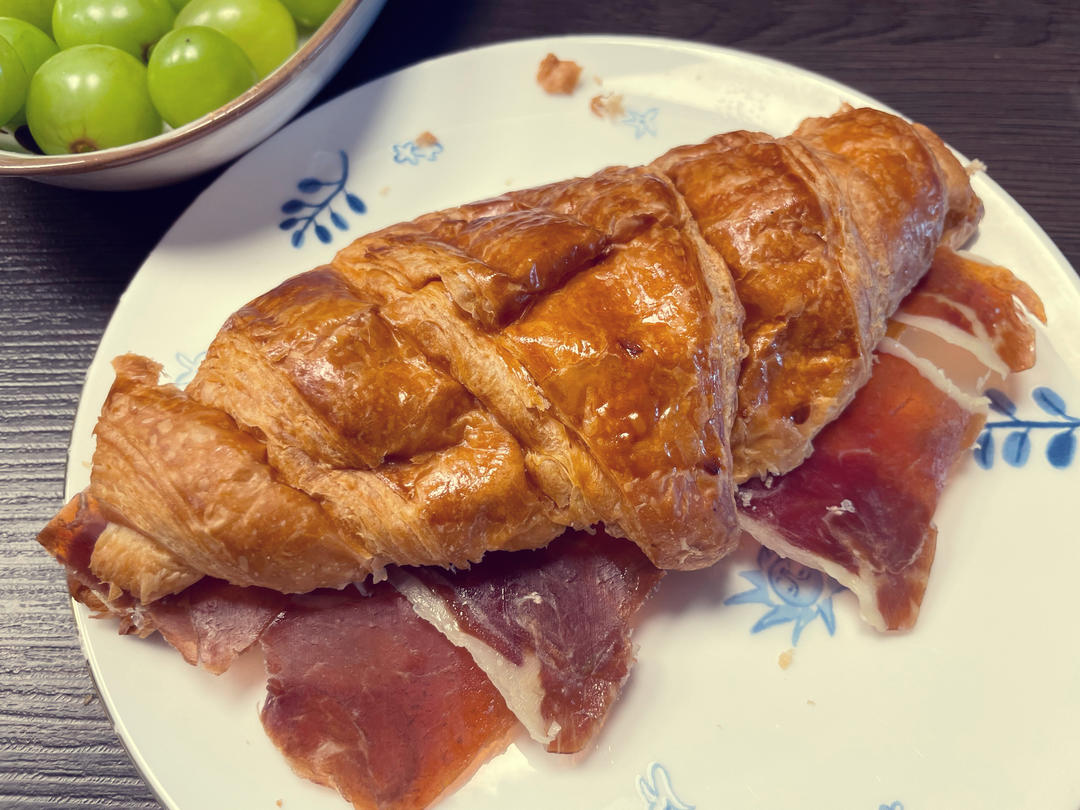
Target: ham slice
[[210, 622], [551, 627], [861, 507], [367, 698]]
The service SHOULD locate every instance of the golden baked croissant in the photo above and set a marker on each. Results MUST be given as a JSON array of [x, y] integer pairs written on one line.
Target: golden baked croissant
[[483, 377], [825, 232]]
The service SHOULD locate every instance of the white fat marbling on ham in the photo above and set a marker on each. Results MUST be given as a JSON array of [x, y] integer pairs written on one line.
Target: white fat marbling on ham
[[934, 375], [981, 346], [551, 627], [519, 685]]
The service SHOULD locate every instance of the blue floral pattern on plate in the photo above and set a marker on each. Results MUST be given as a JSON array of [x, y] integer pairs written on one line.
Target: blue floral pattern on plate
[[412, 153], [304, 214], [792, 592], [893, 806], [643, 122], [188, 365], [1016, 449], [657, 792]]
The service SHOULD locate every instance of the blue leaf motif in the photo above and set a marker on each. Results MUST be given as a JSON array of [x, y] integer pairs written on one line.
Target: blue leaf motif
[[1000, 402], [1061, 426], [984, 450], [656, 790], [1017, 448], [1061, 449], [1049, 400], [355, 203], [304, 215]]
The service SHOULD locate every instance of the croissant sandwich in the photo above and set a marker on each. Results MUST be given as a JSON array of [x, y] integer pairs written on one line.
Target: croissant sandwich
[[618, 349]]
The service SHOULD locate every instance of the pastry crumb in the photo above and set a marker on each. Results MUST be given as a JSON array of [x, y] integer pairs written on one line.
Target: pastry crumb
[[607, 105], [810, 702], [279, 803], [975, 167], [88, 699], [785, 658], [558, 76], [384, 191], [425, 139]]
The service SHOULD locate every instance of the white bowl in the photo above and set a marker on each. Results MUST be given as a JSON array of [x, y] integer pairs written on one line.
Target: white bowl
[[215, 138]]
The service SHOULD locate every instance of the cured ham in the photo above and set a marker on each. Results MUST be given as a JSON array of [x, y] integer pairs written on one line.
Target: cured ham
[[973, 304], [550, 627], [861, 507], [210, 622], [367, 698], [402, 711]]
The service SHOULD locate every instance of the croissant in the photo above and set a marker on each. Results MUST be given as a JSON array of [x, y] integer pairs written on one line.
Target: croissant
[[620, 349]]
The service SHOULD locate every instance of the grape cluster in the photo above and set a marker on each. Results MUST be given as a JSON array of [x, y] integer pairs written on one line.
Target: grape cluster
[[91, 74]]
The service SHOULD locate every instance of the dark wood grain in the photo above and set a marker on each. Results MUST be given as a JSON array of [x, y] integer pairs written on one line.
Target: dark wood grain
[[999, 80]]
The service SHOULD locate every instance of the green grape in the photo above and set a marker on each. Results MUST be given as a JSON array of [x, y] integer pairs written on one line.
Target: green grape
[[90, 97], [195, 70], [263, 28], [33, 47], [310, 13], [13, 81], [36, 12], [178, 4], [131, 25]]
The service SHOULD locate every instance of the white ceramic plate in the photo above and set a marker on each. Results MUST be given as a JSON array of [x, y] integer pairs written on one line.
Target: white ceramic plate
[[978, 707]]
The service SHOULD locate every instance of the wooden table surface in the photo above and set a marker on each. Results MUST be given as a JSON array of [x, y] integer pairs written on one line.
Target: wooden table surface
[[998, 80]]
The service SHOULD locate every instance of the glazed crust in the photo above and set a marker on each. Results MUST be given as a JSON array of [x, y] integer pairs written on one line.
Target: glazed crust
[[825, 231], [484, 377]]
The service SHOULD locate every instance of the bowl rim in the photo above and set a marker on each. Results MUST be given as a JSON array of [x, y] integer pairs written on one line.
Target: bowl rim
[[25, 164]]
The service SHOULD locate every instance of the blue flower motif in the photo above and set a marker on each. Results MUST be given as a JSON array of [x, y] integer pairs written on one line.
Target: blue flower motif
[[188, 364], [801, 594], [644, 123], [411, 153], [893, 806], [656, 790], [313, 185], [1016, 449]]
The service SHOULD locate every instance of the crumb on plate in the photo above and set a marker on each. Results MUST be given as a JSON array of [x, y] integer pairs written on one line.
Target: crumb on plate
[[425, 139], [785, 658], [607, 105], [558, 76]]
